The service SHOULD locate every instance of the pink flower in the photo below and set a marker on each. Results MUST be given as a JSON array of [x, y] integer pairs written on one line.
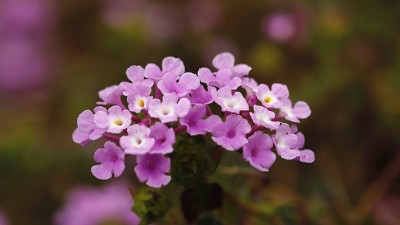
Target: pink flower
[[258, 151], [110, 95], [187, 82], [263, 117], [280, 27], [286, 142], [301, 110], [170, 109], [87, 129], [164, 138], [138, 85], [201, 96], [195, 122], [138, 140], [226, 60], [231, 134], [111, 159], [169, 65], [222, 78], [306, 155], [152, 169], [274, 97], [94, 206], [115, 120], [230, 102], [250, 85], [3, 219]]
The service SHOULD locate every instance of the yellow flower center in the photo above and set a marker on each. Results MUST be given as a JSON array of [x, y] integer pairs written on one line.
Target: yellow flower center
[[267, 99], [118, 122], [141, 103]]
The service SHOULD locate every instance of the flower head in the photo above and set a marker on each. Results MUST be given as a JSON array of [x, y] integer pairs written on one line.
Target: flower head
[[166, 101], [231, 134], [258, 151], [111, 159], [152, 169]]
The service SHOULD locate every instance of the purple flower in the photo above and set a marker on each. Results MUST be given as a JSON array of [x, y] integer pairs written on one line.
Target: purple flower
[[250, 85], [115, 120], [25, 41], [138, 141], [110, 95], [258, 151], [170, 109], [3, 219], [135, 73], [280, 27], [228, 102], [139, 85], [169, 65], [87, 130], [201, 96], [301, 110], [222, 78], [187, 82], [111, 159], [263, 117], [24, 65], [226, 60], [306, 155], [195, 122], [152, 169], [164, 138], [94, 206], [231, 134], [286, 142], [272, 98], [137, 103]]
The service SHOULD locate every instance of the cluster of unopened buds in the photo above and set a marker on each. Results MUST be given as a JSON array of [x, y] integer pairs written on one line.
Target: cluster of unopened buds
[[147, 113]]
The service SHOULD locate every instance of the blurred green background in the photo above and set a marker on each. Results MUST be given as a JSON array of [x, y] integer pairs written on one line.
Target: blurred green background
[[342, 57]]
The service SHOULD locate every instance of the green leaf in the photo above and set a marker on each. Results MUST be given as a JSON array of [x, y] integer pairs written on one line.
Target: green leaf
[[151, 205], [194, 159]]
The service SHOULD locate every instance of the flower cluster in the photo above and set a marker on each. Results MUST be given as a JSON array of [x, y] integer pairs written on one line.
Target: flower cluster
[[147, 112]]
